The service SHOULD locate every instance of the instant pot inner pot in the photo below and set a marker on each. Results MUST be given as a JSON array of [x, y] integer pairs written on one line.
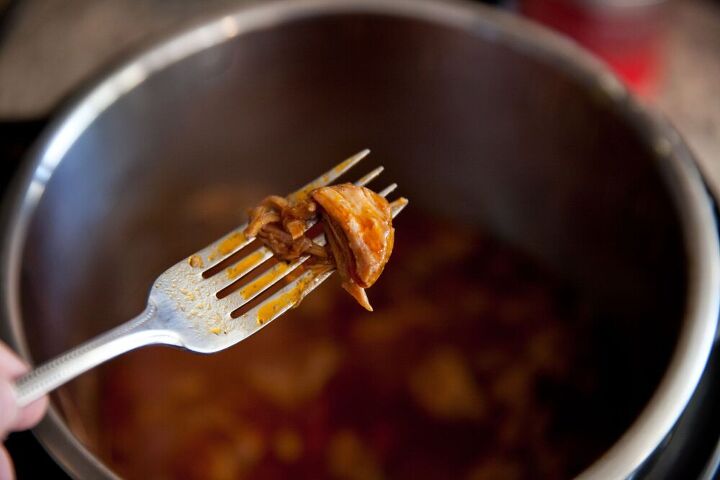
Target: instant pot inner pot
[[472, 128]]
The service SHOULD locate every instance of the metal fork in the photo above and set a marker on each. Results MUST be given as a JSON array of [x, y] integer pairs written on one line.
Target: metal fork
[[189, 307]]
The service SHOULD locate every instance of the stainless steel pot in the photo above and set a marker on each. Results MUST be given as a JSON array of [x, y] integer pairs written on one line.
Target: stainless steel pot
[[478, 115]]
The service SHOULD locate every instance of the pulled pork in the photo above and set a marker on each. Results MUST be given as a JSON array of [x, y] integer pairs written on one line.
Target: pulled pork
[[280, 225], [358, 229]]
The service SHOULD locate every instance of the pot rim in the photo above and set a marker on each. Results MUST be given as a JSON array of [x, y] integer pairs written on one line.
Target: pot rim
[[675, 162]]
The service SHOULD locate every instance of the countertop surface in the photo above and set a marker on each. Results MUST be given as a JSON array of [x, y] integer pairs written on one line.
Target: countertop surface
[[689, 94]]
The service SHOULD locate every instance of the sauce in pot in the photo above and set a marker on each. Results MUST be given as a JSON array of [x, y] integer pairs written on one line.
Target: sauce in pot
[[476, 364]]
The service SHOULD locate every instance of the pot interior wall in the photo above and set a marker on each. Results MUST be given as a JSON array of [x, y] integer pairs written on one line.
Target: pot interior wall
[[471, 128]]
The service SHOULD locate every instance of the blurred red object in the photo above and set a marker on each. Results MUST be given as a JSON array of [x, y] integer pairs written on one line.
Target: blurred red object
[[627, 34]]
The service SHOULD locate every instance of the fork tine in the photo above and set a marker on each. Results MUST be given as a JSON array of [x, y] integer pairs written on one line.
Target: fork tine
[[370, 177], [330, 176], [266, 280], [388, 190], [285, 298], [398, 205], [260, 284], [217, 251]]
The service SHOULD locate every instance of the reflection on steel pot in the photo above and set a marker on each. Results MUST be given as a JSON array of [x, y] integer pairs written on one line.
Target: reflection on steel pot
[[517, 131]]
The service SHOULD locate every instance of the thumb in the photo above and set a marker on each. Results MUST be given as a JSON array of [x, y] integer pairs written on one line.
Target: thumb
[[6, 465], [8, 407]]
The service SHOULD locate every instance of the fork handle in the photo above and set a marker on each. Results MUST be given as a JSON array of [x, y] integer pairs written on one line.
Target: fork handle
[[133, 334]]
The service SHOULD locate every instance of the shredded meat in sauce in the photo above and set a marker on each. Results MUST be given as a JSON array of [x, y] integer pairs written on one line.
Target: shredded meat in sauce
[[358, 228]]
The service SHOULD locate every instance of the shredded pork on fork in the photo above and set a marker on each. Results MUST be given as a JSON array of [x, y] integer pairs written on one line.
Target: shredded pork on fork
[[358, 232], [212, 299]]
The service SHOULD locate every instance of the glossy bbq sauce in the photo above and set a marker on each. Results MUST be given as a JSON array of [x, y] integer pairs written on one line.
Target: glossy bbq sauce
[[475, 365]]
